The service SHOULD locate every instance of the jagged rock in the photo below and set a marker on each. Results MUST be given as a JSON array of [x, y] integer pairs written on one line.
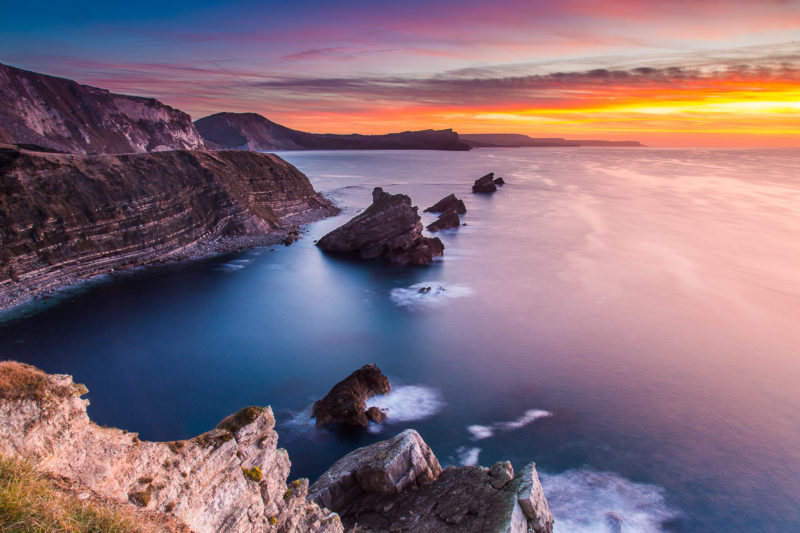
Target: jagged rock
[[346, 403], [501, 473], [389, 228], [65, 218], [448, 203], [469, 499], [232, 478], [446, 220], [499, 182], [57, 114], [485, 183], [386, 467], [531, 499]]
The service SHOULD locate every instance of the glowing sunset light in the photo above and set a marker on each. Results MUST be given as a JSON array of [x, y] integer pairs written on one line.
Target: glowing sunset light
[[667, 73]]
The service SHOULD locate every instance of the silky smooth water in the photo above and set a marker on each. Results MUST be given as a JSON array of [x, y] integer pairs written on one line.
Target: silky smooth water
[[627, 318]]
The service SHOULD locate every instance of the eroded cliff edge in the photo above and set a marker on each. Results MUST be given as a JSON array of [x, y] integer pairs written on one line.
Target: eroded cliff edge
[[232, 478], [61, 114], [66, 217]]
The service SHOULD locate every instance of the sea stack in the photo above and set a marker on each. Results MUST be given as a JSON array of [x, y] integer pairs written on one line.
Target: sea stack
[[485, 184], [346, 403], [449, 207], [390, 228]]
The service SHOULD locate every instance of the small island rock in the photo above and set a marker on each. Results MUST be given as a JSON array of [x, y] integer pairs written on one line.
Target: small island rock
[[390, 228], [447, 220], [485, 183], [346, 403], [448, 203]]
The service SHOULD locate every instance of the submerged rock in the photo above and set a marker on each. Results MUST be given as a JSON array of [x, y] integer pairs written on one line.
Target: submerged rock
[[448, 203], [447, 220], [371, 488], [390, 228], [346, 403], [485, 183]]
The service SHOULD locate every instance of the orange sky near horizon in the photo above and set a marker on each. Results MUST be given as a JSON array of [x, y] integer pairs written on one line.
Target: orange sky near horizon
[[672, 73]]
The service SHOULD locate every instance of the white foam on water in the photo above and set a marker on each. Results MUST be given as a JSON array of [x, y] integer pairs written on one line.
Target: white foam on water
[[588, 501], [480, 432], [236, 264], [467, 456], [407, 403], [439, 294]]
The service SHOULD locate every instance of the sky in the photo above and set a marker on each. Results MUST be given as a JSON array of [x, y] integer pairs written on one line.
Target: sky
[[666, 73]]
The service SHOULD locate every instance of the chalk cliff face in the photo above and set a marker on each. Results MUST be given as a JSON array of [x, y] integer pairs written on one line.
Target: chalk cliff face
[[66, 217], [250, 131], [63, 115], [232, 478]]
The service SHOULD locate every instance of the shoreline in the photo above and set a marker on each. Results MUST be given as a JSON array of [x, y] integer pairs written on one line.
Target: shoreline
[[20, 295]]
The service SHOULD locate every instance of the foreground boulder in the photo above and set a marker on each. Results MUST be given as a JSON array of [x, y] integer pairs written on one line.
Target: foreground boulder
[[448, 203], [346, 403], [485, 183], [390, 228], [388, 467], [371, 488], [232, 478]]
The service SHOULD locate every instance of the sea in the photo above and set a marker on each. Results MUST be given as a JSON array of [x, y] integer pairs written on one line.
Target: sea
[[627, 318]]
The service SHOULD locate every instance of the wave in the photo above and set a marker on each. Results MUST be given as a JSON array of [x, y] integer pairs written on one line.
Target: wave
[[407, 403], [427, 294], [588, 501], [236, 264], [480, 432], [467, 456]]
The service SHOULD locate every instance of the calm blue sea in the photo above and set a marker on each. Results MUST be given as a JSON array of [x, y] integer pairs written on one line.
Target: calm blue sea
[[627, 318]]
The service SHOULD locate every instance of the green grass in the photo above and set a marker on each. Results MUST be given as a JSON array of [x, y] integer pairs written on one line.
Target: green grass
[[32, 503]]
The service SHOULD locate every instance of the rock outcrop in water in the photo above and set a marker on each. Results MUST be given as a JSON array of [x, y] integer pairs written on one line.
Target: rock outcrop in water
[[346, 403], [250, 131], [60, 114], [398, 485], [390, 228], [448, 203], [64, 218], [232, 478], [485, 183], [449, 207]]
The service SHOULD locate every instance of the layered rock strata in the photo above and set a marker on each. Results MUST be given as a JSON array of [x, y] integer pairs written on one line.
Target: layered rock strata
[[390, 228], [250, 131], [232, 478], [65, 218], [346, 403], [397, 485], [61, 114]]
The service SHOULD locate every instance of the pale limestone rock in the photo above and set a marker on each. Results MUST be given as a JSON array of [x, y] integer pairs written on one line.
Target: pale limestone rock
[[232, 478], [531, 499]]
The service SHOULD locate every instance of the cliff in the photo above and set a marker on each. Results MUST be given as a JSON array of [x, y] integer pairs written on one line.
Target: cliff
[[64, 218], [250, 131], [60, 114], [232, 478]]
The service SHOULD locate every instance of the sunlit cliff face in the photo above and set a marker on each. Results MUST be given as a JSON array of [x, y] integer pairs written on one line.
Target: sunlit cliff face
[[667, 73]]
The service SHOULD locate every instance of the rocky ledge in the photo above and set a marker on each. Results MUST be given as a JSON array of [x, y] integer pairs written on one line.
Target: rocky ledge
[[346, 403], [390, 228], [232, 478], [65, 218], [398, 485]]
